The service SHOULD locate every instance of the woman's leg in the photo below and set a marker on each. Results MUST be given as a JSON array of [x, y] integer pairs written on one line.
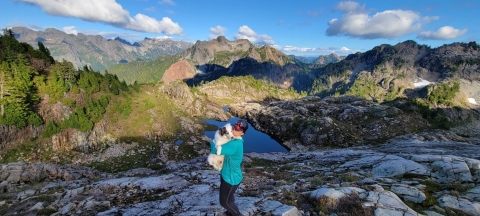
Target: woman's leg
[[227, 200]]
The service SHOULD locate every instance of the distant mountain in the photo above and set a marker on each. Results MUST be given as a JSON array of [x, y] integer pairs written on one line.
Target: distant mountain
[[96, 51], [120, 40], [303, 59], [321, 60], [210, 60], [387, 72], [326, 59]]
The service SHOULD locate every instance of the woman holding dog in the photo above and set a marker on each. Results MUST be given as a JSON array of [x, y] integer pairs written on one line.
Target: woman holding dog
[[231, 173]]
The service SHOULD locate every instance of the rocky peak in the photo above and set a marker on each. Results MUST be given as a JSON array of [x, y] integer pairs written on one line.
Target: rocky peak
[[222, 39], [203, 52], [122, 40], [221, 57], [330, 58]]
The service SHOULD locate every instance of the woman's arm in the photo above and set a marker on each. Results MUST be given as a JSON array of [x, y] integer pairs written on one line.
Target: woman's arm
[[229, 148], [213, 149]]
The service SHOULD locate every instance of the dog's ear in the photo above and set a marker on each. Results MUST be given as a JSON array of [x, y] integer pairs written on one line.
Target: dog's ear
[[223, 131]]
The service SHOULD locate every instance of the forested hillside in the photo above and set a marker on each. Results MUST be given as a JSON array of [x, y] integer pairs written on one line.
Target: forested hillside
[[31, 83], [143, 72], [21, 71]]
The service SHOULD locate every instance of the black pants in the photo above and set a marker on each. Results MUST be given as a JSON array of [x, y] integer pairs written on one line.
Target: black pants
[[227, 200]]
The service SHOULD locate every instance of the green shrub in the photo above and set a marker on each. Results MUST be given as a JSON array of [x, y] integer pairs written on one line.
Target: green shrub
[[315, 182], [50, 129], [443, 93], [96, 108], [78, 120], [70, 102], [34, 119], [122, 107], [434, 116]]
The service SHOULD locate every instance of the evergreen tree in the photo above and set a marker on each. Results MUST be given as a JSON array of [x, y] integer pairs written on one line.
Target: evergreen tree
[[5, 86], [8, 32], [17, 93], [45, 53]]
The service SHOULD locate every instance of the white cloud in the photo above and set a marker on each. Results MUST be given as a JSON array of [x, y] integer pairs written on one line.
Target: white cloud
[[70, 30], [151, 9], [317, 51], [297, 49], [428, 19], [443, 33], [170, 2], [109, 12], [245, 32], [356, 22], [349, 6], [216, 31], [162, 37]]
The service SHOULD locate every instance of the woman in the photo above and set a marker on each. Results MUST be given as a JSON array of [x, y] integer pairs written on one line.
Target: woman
[[231, 173]]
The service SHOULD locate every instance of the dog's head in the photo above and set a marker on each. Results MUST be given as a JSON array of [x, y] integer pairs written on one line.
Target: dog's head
[[226, 131]]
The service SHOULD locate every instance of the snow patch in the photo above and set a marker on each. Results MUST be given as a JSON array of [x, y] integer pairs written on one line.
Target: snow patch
[[472, 100], [421, 83]]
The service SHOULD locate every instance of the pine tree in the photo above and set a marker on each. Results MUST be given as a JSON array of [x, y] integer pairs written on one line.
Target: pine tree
[[17, 91], [45, 52], [8, 32], [5, 86]]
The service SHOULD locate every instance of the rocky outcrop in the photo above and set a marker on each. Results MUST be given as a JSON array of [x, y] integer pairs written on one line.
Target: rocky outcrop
[[11, 135], [192, 103], [374, 180], [180, 70], [81, 141], [313, 122]]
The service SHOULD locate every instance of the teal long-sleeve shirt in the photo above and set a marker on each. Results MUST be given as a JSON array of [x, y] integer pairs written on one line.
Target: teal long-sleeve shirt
[[233, 151]]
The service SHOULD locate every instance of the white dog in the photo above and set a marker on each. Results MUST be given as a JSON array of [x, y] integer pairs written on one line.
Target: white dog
[[222, 136]]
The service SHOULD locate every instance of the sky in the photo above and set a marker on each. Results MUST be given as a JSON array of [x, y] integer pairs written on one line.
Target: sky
[[301, 27]]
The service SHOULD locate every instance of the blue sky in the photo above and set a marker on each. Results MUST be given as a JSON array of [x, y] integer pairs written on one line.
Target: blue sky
[[301, 27]]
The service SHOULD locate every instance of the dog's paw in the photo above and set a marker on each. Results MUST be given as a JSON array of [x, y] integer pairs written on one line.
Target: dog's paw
[[218, 164]]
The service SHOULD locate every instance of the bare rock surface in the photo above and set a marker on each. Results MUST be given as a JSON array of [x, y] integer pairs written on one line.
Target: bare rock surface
[[367, 180]]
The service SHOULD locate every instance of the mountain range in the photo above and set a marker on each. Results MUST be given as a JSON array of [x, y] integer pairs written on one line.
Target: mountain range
[[96, 51], [383, 73]]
